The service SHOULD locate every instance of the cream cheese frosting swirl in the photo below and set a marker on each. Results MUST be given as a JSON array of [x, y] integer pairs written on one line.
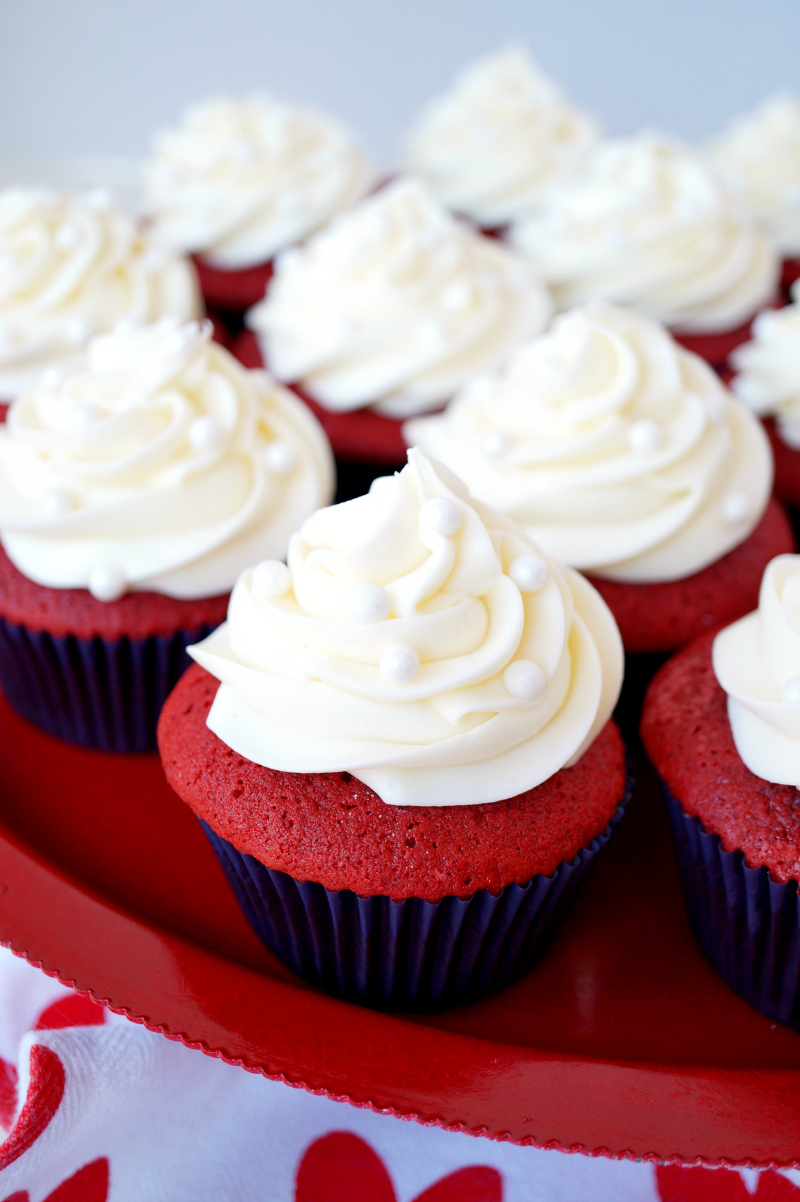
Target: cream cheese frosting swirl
[[757, 662], [71, 266], [649, 224], [768, 368], [163, 465], [611, 446], [395, 305], [238, 180], [419, 641], [759, 155], [496, 143]]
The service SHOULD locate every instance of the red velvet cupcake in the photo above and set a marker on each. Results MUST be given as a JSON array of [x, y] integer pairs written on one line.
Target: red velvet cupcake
[[649, 224], [768, 380], [409, 762], [131, 495], [387, 312], [721, 724], [624, 455], [238, 181]]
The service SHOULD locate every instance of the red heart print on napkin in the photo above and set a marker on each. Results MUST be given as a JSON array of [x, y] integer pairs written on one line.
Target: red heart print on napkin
[[676, 1184], [342, 1167]]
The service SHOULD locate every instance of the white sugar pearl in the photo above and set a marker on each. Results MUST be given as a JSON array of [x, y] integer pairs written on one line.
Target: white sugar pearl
[[99, 198], [495, 445], [644, 436], [735, 508], [524, 679], [206, 434], [440, 515], [67, 236], [78, 331], [85, 413], [430, 334], [271, 578], [289, 202], [368, 602], [51, 378], [107, 582], [791, 690], [281, 458], [57, 500], [399, 663], [123, 326], [529, 573], [456, 296], [716, 406]]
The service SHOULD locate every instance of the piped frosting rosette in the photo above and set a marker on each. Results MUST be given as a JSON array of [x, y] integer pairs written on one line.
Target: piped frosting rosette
[[648, 223], [759, 155], [611, 446], [757, 662], [162, 465], [71, 267], [239, 180], [768, 369], [395, 305], [499, 140], [419, 641]]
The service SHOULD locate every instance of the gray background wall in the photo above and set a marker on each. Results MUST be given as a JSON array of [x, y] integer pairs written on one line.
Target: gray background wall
[[101, 75]]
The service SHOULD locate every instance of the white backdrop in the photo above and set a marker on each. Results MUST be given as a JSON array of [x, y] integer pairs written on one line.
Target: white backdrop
[[100, 75]]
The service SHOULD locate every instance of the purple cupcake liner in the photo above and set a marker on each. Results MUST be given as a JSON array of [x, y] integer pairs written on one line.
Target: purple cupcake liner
[[403, 955], [100, 693], [747, 925]]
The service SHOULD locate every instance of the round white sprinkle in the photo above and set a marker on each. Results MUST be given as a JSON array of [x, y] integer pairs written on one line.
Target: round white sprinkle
[[99, 198], [644, 436], [524, 679], [430, 334], [57, 500], [289, 202], [271, 578], [8, 262], [66, 236], [456, 296], [716, 406], [155, 259], [77, 331], [735, 508], [368, 602], [440, 515], [206, 434], [84, 413], [107, 582], [791, 690], [529, 573], [123, 326], [281, 458], [399, 663], [495, 445], [51, 378]]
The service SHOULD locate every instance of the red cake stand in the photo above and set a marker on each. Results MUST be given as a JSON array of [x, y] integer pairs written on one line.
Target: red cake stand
[[622, 1042]]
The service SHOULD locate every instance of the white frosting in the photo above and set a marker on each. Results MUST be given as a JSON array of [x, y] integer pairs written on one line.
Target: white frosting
[[757, 662], [496, 143], [649, 224], [402, 650], [769, 369], [71, 266], [611, 446], [163, 465], [759, 155], [396, 305], [239, 180]]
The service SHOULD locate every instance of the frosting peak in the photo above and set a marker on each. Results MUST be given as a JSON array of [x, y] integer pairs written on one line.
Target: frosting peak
[[768, 368], [418, 641], [71, 266], [757, 662], [496, 143], [395, 305], [649, 224], [759, 154], [239, 180], [161, 465], [611, 446]]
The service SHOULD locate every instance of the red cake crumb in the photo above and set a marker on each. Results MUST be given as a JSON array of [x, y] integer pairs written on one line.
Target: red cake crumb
[[361, 435], [331, 828], [663, 615], [232, 291], [787, 465], [63, 611], [687, 735]]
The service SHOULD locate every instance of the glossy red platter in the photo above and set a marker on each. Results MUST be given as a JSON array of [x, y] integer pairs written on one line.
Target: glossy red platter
[[622, 1041]]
